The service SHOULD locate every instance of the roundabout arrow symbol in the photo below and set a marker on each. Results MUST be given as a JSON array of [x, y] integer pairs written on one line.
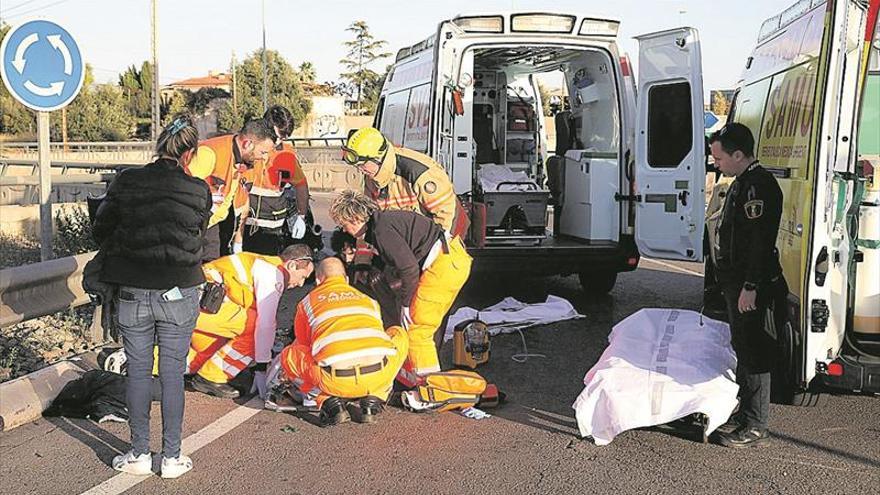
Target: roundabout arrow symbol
[[54, 88], [55, 41], [19, 61]]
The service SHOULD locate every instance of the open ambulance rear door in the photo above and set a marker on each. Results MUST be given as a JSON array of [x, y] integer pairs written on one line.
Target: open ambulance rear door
[[670, 146]]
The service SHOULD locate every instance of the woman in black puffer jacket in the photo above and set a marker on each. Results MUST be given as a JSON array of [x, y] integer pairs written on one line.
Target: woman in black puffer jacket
[[151, 229]]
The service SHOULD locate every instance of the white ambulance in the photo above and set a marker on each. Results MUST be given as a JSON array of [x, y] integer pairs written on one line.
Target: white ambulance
[[625, 177]]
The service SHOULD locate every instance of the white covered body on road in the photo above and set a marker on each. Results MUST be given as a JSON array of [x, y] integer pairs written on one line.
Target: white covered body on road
[[660, 365]]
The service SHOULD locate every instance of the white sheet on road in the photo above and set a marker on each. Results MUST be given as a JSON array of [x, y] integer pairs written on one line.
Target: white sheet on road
[[660, 365], [510, 315]]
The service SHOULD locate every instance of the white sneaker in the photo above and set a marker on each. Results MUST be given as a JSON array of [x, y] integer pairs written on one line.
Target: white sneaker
[[129, 463], [176, 466]]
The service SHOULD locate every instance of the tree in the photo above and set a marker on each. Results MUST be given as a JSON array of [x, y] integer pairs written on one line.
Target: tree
[[98, 114], [285, 88], [307, 73], [15, 118], [363, 50]]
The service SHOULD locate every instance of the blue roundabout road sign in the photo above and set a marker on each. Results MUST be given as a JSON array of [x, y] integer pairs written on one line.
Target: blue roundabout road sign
[[41, 65]]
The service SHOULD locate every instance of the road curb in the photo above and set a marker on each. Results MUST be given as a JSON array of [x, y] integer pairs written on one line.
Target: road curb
[[24, 399]]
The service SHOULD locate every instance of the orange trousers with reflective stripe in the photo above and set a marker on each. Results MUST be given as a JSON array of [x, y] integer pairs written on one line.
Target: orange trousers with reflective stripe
[[220, 359], [438, 287], [313, 380]]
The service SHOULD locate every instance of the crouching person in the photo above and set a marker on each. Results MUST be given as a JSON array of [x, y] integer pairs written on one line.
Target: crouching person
[[432, 266], [342, 351], [242, 330]]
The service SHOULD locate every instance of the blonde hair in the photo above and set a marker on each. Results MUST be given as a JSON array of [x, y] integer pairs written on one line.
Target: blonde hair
[[352, 206], [179, 137]]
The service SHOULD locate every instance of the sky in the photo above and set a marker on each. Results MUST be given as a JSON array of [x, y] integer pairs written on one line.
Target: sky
[[196, 36]]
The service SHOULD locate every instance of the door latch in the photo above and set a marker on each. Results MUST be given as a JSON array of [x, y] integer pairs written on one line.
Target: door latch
[[819, 314], [683, 197], [627, 197]]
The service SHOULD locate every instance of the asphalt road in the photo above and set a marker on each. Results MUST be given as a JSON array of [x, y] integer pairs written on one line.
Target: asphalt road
[[530, 445]]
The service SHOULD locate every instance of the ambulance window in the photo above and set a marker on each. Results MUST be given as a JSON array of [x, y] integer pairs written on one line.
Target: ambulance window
[[670, 124], [394, 116]]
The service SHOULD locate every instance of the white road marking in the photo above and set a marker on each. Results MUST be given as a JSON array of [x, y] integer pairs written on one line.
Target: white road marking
[[673, 267], [124, 481]]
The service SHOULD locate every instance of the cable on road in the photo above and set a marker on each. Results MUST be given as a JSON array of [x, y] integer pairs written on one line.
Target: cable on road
[[525, 354]]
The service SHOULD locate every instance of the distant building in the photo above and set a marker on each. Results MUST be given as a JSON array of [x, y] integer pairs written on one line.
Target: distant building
[[219, 80]]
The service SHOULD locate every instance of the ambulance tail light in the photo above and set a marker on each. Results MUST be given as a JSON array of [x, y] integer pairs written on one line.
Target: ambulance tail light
[[835, 369], [481, 24], [624, 66], [598, 27], [542, 23], [632, 261]]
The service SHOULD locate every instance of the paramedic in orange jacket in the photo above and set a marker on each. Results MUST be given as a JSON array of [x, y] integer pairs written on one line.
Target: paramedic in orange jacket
[[342, 350], [279, 193], [432, 266], [243, 330], [221, 162], [402, 179]]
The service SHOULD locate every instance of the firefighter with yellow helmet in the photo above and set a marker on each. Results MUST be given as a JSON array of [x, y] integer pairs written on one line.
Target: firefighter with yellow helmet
[[402, 179]]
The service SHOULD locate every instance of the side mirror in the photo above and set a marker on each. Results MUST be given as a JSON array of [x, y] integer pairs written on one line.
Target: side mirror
[[457, 103]]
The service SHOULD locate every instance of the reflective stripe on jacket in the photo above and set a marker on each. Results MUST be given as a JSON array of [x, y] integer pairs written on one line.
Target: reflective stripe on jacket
[[342, 326]]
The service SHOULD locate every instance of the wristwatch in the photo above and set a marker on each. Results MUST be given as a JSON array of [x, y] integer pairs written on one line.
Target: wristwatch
[[749, 286]]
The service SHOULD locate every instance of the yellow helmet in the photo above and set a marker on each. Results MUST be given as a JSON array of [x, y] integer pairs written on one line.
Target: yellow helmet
[[367, 144]]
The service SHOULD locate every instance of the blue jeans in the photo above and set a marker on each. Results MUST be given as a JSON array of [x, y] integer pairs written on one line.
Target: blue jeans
[[144, 319]]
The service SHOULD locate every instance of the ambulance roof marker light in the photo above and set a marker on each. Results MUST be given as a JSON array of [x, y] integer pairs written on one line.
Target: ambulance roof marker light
[[542, 23], [599, 27], [480, 24]]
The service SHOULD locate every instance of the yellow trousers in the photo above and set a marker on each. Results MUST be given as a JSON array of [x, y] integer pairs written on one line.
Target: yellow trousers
[[320, 383], [438, 287]]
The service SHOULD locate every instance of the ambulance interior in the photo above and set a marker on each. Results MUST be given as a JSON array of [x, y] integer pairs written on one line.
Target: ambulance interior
[[533, 193]]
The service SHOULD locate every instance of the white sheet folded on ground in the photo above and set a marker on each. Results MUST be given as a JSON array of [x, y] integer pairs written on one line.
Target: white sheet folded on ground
[[491, 176], [660, 365], [511, 315]]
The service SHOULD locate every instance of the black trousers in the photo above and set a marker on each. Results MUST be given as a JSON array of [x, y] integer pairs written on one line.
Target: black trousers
[[755, 353]]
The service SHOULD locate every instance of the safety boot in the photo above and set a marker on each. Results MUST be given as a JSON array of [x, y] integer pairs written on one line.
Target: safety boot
[[371, 407], [333, 412], [222, 390], [744, 436]]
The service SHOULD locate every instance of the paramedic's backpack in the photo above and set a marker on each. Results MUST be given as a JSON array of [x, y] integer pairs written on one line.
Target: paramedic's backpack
[[453, 389]]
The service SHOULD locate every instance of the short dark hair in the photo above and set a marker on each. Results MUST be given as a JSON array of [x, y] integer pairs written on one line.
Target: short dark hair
[[735, 137], [296, 251], [258, 129], [280, 117], [339, 239]]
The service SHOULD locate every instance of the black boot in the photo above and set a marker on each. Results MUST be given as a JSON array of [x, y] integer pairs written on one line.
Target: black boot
[[222, 390], [371, 407], [744, 436], [333, 412]]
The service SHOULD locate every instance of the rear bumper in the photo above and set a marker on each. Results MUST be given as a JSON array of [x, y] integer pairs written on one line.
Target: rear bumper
[[860, 374], [557, 260]]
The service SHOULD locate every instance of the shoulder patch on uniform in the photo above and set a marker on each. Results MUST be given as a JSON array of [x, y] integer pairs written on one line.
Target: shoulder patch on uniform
[[430, 187], [754, 209]]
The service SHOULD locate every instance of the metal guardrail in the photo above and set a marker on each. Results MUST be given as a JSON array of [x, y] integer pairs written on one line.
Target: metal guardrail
[[57, 180], [40, 289]]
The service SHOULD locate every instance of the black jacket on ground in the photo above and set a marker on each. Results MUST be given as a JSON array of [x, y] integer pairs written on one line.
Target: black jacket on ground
[[151, 227], [403, 240]]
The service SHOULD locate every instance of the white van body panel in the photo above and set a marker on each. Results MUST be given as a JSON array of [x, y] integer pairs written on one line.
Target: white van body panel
[[833, 195], [670, 213]]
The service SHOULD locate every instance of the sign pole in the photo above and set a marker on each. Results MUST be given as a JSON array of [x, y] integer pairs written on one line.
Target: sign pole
[[45, 186]]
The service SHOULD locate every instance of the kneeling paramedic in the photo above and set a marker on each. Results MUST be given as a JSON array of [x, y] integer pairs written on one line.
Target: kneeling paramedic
[[242, 330], [342, 350], [432, 266]]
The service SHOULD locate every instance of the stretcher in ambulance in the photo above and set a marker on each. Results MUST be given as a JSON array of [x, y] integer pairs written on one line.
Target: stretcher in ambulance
[[625, 178]]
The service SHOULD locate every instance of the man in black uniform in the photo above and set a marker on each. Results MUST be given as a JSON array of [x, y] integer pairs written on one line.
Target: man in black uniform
[[749, 273]]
